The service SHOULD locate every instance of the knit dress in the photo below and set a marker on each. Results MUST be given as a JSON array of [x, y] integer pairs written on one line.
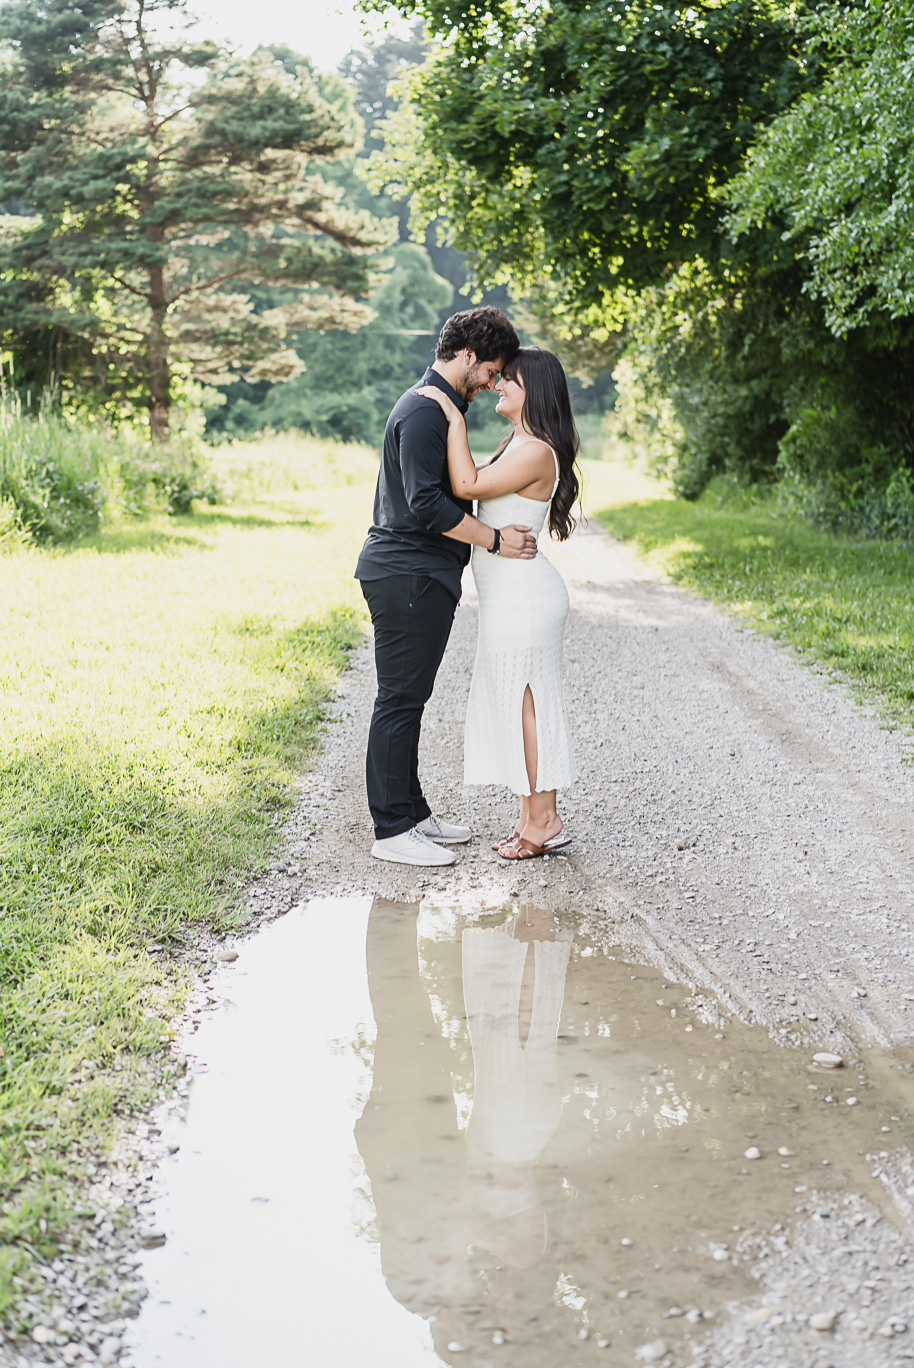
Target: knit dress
[[523, 608]]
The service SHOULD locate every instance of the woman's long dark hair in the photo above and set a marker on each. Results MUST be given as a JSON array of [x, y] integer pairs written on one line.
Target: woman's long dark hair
[[547, 415]]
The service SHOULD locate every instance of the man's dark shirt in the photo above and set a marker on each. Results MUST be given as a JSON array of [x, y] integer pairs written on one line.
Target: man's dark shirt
[[414, 502]]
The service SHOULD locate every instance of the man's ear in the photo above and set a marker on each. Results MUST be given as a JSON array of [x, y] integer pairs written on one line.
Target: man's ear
[[470, 356]]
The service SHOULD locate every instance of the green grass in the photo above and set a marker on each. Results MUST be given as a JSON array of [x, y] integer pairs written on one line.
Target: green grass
[[845, 602], [160, 686]]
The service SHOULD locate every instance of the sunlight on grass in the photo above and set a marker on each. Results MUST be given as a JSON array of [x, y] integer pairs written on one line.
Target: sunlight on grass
[[845, 602], [161, 685]]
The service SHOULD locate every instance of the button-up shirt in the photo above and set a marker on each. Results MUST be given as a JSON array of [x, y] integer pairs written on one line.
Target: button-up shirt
[[414, 502]]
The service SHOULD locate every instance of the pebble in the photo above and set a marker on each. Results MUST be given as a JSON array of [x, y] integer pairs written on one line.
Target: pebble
[[624, 1293], [694, 1316], [852, 1101], [720, 1255], [861, 992], [826, 1060], [602, 1343], [626, 1241], [823, 1320], [499, 1338], [227, 956], [153, 1239], [673, 1312], [583, 1333], [455, 1347], [43, 1334], [653, 1352], [110, 1350], [753, 1152], [787, 1153]]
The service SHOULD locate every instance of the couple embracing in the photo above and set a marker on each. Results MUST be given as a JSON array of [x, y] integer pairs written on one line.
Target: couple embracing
[[410, 570]]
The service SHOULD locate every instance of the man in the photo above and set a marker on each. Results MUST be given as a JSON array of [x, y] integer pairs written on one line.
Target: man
[[410, 570]]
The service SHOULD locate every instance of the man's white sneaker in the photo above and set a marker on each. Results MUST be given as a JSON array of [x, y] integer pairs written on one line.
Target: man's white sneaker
[[436, 830], [412, 848]]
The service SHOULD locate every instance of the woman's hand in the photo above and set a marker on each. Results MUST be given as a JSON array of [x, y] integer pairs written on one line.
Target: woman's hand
[[444, 401]]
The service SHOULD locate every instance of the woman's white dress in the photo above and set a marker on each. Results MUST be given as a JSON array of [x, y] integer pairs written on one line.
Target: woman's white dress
[[523, 607]]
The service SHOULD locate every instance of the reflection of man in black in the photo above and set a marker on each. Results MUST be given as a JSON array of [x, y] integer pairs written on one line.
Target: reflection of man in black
[[435, 1219]]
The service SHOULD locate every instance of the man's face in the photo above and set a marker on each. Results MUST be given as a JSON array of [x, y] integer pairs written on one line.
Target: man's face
[[477, 375]]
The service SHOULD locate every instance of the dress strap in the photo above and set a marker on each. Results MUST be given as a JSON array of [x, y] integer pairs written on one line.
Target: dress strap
[[558, 474]]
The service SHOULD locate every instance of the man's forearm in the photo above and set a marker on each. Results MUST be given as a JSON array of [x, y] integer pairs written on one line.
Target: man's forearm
[[472, 532]]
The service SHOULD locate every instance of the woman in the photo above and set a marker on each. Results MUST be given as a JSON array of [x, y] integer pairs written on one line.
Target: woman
[[516, 730]]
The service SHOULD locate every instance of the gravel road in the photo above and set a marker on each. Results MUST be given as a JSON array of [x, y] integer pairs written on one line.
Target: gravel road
[[740, 822]]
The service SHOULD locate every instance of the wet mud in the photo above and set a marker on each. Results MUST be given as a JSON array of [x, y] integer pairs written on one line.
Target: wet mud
[[420, 1135]]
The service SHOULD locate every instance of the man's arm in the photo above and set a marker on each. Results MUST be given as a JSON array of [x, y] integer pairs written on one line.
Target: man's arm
[[517, 542], [423, 457]]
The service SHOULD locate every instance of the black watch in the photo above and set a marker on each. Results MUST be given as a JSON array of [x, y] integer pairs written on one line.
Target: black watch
[[493, 549]]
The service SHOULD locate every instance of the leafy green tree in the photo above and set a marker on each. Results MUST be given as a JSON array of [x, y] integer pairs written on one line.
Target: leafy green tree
[[834, 172], [580, 147], [166, 185]]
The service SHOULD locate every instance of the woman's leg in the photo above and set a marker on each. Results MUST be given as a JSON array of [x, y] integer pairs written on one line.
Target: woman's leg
[[543, 822]]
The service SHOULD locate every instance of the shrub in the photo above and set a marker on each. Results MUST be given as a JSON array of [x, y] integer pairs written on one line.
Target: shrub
[[59, 479]]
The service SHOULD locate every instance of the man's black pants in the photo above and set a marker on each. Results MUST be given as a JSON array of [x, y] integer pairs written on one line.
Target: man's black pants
[[412, 617]]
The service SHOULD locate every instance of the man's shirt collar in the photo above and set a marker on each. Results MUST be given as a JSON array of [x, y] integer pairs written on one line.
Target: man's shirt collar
[[432, 377]]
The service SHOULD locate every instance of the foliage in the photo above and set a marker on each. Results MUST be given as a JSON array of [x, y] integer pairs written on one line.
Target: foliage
[[835, 169], [846, 603], [583, 145], [165, 184], [60, 479], [744, 377], [352, 380], [144, 760]]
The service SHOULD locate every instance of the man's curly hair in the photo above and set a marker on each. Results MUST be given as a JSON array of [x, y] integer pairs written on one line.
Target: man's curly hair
[[484, 331]]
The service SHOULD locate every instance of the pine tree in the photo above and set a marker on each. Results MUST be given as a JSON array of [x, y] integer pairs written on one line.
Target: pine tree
[[165, 186]]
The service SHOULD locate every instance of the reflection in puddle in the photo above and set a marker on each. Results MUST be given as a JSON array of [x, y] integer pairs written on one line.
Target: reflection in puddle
[[511, 1149]]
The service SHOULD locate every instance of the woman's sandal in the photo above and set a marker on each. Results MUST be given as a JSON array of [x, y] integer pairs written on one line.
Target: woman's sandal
[[507, 841], [526, 850], [519, 849], [517, 844]]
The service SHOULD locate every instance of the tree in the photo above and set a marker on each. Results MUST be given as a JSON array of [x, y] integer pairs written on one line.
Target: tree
[[582, 146], [166, 184], [352, 380], [834, 171]]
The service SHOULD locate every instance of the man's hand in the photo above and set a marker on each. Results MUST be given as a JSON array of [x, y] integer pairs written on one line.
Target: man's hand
[[517, 542]]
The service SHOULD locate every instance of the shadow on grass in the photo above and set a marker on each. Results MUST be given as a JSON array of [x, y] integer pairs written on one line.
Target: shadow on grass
[[109, 851], [225, 517], [121, 540]]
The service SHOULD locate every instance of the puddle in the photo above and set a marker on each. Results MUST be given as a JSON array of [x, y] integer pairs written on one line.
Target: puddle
[[424, 1135]]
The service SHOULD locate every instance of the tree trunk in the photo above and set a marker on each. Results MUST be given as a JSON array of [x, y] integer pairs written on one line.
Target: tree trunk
[[159, 367]]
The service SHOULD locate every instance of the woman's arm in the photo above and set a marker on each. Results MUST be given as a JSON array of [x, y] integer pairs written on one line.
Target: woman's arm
[[529, 464]]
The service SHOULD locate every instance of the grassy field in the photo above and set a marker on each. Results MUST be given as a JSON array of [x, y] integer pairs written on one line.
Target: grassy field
[[160, 685], [845, 602]]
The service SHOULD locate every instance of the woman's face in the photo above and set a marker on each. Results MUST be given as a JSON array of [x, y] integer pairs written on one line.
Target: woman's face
[[510, 398]]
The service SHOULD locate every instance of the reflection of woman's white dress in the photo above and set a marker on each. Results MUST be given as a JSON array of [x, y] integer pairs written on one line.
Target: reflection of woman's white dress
[[517, 1104], [523, 607]]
